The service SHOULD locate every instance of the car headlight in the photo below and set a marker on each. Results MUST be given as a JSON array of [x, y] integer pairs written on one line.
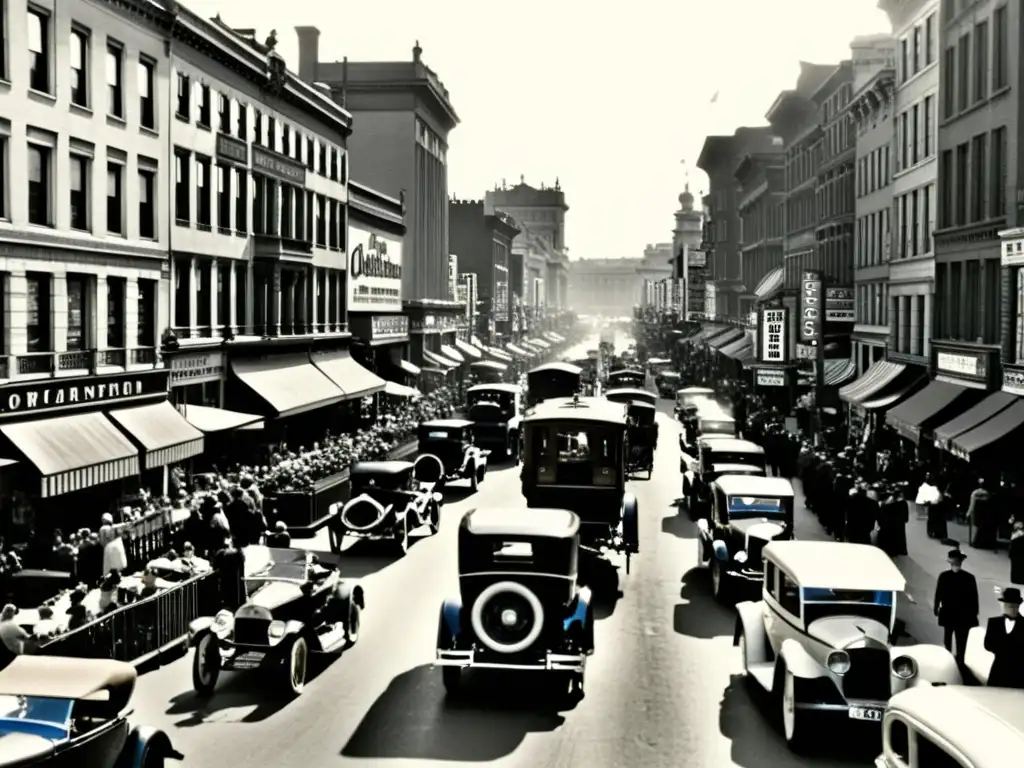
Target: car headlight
[[222, 622], [904, 667], [740, 557], [838, 662], [276, 629]]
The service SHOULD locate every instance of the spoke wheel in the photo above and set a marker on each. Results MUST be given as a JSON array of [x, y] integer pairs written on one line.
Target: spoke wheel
[[296, 665], [206, 665]]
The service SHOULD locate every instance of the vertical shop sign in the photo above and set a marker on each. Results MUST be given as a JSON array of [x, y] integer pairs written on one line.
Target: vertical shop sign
[[811, 314]]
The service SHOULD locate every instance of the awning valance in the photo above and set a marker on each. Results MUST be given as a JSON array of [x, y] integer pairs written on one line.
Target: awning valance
[[726, 338], [74, 452], [879, 402], [935, 404], [1003, 431], [519, 351], [875, 379], [770, 284], [289, 384], [406, 367], [735, 348], [213, 420], [347, 374], [443, 363], [555, 337], [400, 390], [994, 404], [164, 434], [489, 365], [452, 353], [468, 349], [499, 354], [836, 372]]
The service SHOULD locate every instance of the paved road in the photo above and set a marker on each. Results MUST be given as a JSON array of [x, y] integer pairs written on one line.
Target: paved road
[[662, 688]]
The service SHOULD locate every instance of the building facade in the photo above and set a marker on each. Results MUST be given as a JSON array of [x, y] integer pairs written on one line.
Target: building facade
[[606, 287], [871, 114], [761, 198], [717, 159], [689, 263]]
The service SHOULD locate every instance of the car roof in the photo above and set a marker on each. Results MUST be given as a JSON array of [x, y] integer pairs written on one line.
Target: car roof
[[626, 372], [837, 565], [447, 423], [986, 724], [628, 391], [732, 445], [575, 370], [522, 521], [60, 677], [695, 391], [381, 467], [642, 405], [514, 388], [716, 417], [737, 469], [595, 409], [734, 485]]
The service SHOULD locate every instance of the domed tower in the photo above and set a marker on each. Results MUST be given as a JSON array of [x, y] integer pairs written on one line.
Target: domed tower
[[686, 239]]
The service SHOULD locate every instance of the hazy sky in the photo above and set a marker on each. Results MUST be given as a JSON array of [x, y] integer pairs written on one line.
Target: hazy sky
[[609, 98]]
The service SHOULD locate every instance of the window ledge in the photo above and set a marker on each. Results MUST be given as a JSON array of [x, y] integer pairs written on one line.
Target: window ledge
[[83, 109], [182, 118], [204, 126], [183, 223], [115, 121], [42, 95], [149, 131]]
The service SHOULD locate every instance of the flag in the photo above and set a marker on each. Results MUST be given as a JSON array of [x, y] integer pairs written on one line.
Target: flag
[[714, 99]]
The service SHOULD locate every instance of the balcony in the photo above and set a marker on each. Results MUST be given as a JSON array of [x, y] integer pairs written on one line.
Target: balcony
[[38, 365], [277, 248], [220, 333]]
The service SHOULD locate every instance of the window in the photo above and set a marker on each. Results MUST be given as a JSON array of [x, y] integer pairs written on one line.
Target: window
[[948, 83], [929, 126], [930, 38], [946, 185], [115, 80], [78, 312], [915, 223], [332, 235], [204, 106], [79, 55], [243, 121], [322, 160], [241, 200], [334, 164], [115, 198], [1000, 51], [321, 221], [147, 204], [997, 173], [980, 61], [117, 289], [79, 193], [310, 153], [288, 193], [147, 88], [915, 134], [147, 313], [978, 187], [224, 114], [182, 212], [257, 126], [962, 190], [789, 594], [203, 192], [926, 218], [964, 72], [184, 90], [224, 198], [286, 141], [931, 754], [40, 174], [271, 134], [917, 50], [38, 319], [38, 50]]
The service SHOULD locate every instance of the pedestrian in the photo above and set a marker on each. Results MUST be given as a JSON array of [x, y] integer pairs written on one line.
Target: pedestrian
[[892, 523], [1017, 553], [981, 515], [13, 638], [1004, 639], [280, 538], [956, 603], [929, 497]]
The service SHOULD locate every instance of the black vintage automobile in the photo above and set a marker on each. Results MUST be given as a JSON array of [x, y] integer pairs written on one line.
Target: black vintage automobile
[[496, 410], [59, 711], [641, 438], [747, 512], [715, 452], [520, 606], [387, 502], [447, 453], [627, 377], [630, 394], [575, 457], [553, 380], [294, 606], [667, 382]]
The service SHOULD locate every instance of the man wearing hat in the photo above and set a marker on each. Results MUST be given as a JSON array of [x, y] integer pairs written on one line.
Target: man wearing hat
[[956, 603], [1004, 638]]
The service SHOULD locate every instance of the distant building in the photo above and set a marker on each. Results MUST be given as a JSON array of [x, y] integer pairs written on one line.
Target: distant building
[[690, 261], [609, 287]]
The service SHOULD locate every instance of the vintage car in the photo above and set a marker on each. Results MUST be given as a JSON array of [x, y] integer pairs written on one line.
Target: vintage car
[[641, 438], [575, 457], [520, 605], [820, 639], [553, 380], [448, 453], [630, 395], [709, 422], [495, 410], [387, 502], [627, 377], [294, 606], [747, 512], [718, 452], [74, 712], [716, 424], [952, 726], [699, 396], [667, 382]]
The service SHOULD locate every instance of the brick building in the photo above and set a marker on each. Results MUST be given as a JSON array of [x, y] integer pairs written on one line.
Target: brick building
[[761, 181]]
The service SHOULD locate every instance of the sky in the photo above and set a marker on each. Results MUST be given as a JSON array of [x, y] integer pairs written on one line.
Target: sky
[[613, 103]]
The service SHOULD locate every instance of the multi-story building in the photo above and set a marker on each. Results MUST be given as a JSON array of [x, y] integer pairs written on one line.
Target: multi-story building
[[608, 287], [871, 114], [689, 263], [761, 197], [718, 160]]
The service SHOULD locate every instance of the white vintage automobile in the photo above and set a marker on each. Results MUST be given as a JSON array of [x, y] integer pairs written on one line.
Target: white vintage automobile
[[955, 726], [820, 639]]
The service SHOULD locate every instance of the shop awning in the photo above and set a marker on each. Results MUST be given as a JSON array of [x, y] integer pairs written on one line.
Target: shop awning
[[555, 337], [442, 363], [992, 405], [734, 348], [770, 284], [489, 365], [706, 332], [289, 384], [468, 349], [519, 351], [74, 452], [836, 372], [406, 367], [452, 353], [882, 402], [213, 420], [935, 404], [498, 354], [538, 343], [435, 371], [1001, 432], [347, 374], [400, 390], [724, 339], [875, 379], [164, 434]]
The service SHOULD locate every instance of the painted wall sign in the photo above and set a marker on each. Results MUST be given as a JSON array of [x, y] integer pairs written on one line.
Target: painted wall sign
[[196, 368], [374, 271], [811, 315], [771, 378], [68, 394], [772, 341], [839, 306], [385, 326], [280, 167], [1013, 382], [972, 366], [230, 148]]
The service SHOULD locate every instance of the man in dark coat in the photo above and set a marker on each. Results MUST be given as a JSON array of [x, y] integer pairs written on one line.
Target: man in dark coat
[[1004, 638], [892, 523], [956, 603]]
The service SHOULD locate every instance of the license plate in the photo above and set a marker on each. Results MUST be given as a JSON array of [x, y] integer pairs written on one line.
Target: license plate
[[872, 714], [250, 660]]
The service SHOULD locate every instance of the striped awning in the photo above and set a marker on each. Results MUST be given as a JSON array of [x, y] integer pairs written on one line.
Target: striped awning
[[726, 338], [735, 348], [499, 354], [438, 361], [213, 420], [707, 332], [468, 349], [165, 435], [447, 350], [406, 367], [875, 379], [519, 351], [836, 372], [770, 284], [74, 452]]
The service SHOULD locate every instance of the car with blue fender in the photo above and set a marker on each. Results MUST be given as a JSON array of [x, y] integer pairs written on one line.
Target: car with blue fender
[[294, 606], [520, 605], [59, 711]]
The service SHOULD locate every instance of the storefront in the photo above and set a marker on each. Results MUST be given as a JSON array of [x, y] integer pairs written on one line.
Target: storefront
[[433, 324], [385, 342], [197, 378]]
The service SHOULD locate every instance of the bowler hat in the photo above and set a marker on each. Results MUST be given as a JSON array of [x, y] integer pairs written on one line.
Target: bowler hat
[[1011, 595], [956, 556]]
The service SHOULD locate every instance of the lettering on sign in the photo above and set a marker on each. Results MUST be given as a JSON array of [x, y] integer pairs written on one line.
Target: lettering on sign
[[961, 365], [230, 148], [383, 326], [771, 379], [69, 394], [197, 368], [1013, 382], [811, 315], [374, 271], [773, 335], [1013, 253], [806, 352], [278, 166]]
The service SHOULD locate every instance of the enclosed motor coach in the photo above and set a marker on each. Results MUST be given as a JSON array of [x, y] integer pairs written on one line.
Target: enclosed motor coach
[[553, 380]]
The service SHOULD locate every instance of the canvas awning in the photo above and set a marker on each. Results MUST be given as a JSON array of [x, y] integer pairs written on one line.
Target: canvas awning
[[519, 351], [452, 353], [935, 404], [875, 379], [443, 363], [724, 339], [213, 420], [74, 452], [347, 374], [734, 349], [836, 372], [974, 417], [289, 384], [1000, 433], [165, 435], [770, 284], [406, 367], [489, 365], [400, 390], [468, 349], [499, 354]]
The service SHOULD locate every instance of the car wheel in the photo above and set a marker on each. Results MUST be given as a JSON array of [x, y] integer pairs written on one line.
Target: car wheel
[[152, 758], [206, 665], [352, 624], [794, 720], [452, 679], [719, 588], [474, 479], [295, 663]]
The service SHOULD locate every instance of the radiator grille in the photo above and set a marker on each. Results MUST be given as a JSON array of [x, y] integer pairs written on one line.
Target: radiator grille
[[869, 676]]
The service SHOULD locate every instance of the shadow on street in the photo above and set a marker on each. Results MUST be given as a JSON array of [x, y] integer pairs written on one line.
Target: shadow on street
[[602, 577], [699, 615], [412, 719], [362, 558], [679, 524]]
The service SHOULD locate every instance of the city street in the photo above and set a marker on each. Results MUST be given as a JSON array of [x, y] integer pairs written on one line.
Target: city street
[[662, 689]]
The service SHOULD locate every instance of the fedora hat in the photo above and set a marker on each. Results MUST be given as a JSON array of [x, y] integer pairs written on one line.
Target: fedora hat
[[955, 556], [1011, 595]]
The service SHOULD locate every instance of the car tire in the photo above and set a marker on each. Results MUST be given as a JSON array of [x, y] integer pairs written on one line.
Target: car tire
[[795, 723], [206, 665], [352, 624], [451, 677], [296, 665], [152, 758], [474, 479], [719, 584]]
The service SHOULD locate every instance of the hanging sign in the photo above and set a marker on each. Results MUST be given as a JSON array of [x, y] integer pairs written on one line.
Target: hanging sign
[[811, 315], [374, 271], [771, 378], [772, 339]]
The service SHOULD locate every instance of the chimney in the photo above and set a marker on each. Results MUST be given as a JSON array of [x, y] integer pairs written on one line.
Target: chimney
[[309, 52]]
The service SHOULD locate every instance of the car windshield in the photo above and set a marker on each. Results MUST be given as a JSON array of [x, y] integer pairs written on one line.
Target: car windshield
[[726, 457], [742, 507], [723, 427], [30, 714], [364, 484], [505, 402], [437, 434], [272, 565], [822, 602]]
